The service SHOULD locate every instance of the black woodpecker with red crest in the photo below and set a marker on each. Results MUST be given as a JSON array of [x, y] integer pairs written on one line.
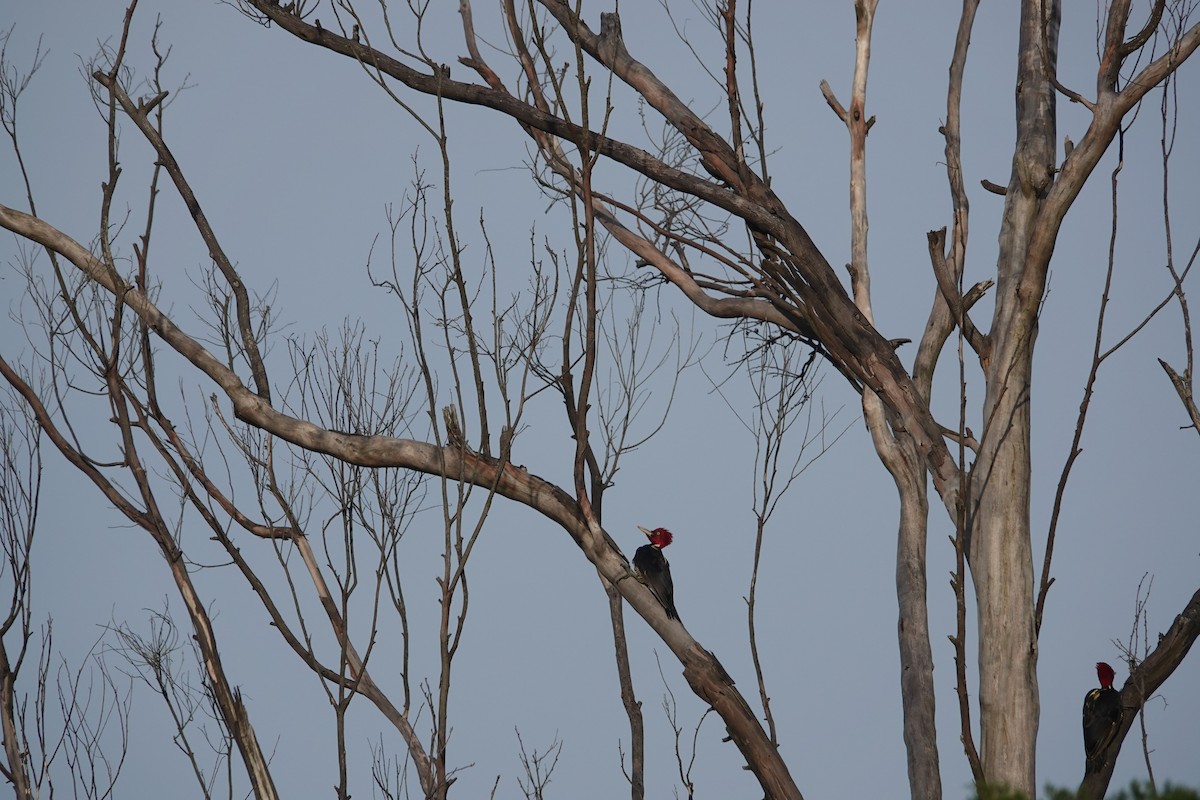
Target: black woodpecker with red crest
[[654, 571], [1101, 718]]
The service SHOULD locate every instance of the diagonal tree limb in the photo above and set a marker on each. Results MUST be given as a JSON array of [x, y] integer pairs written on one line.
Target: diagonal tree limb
[[702, 670], [852, 343], [140, 114], [1143, 681]]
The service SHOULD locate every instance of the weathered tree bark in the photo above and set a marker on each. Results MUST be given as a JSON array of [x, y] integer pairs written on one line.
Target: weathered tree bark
[[999, 549], [916, 655], [1001, 564]]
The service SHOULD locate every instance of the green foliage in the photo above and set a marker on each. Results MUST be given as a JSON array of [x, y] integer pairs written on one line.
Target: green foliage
[[1058, 793], [1135, 791], [1168, 791]]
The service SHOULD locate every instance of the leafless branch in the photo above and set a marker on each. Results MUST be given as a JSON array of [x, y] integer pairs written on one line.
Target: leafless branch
[[538, 767], [1144, 681]]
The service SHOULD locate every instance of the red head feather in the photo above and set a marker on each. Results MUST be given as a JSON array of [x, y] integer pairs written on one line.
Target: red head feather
[[1105, 673], [659, 537]]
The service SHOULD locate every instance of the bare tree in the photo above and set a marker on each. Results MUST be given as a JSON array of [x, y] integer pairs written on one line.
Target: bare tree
[[538, 768], [705, 219], [163, 663], [20, 492]]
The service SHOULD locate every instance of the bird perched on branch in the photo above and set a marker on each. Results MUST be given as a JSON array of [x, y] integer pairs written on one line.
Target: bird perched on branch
[[654, 571], [1101, 718]]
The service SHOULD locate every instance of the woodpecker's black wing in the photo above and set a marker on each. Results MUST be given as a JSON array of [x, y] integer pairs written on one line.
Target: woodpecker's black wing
[[1101, 720], [655, 572]]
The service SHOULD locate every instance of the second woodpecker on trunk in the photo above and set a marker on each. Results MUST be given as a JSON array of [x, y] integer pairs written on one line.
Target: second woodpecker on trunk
[[1101, 719], [653, 569]]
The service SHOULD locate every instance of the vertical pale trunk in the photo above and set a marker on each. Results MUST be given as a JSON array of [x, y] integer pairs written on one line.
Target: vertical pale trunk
[[1002, 570], [917, 696], [916, 655], [899, 454], [1000, 551]]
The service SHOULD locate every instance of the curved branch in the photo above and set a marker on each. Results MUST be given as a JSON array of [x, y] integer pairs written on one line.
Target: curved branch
[[440, 84], [703, 671], [852, 344], [1141, 37]]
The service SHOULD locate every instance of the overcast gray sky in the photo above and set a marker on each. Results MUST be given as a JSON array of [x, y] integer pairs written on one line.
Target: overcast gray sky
[[295, 156]]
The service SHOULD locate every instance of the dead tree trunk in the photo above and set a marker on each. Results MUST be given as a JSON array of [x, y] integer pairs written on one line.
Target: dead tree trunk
[[999, 549]]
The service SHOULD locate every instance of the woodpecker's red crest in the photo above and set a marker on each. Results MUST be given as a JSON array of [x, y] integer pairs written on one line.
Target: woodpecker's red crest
[[659, 537], [1105, 673]]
